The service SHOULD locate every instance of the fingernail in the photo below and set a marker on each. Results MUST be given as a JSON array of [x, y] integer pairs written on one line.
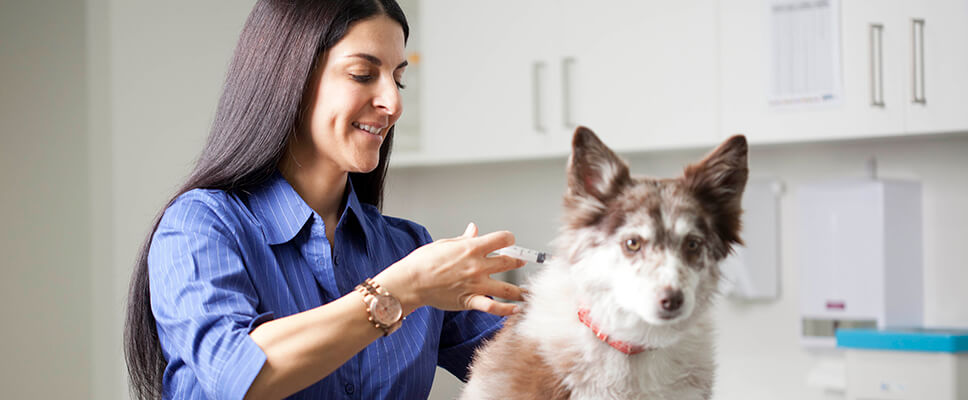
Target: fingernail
[[516, 310]]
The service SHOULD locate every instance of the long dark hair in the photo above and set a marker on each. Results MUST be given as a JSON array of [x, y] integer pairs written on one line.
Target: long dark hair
[[260, 108]]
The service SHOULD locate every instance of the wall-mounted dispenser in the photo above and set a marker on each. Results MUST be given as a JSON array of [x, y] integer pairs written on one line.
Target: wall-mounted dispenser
[[859, 252], [752, 272]]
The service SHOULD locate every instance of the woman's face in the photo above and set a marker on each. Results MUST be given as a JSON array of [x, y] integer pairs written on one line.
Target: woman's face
[[354, 97]]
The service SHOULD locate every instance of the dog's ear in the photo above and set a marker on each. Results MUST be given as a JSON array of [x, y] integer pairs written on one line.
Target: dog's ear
[[718, 182], [595, 175], [594, 170]]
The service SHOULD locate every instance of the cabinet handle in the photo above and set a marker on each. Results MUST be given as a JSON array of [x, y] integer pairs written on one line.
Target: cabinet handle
[[536, 68], [566, 66], [917, 59], [877, 65]]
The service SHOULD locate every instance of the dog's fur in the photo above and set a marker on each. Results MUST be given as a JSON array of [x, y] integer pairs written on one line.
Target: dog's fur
[[683, 227]]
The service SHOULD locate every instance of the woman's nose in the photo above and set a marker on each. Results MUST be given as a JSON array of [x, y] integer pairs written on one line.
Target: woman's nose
[[388, 98]]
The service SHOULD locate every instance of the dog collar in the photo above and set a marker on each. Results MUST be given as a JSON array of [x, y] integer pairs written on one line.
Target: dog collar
[[619, 345]]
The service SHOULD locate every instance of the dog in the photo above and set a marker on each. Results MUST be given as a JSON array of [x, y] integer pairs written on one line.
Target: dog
[[624, 309]]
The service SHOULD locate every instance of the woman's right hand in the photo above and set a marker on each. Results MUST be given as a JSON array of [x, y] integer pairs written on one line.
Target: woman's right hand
[[454, 274]]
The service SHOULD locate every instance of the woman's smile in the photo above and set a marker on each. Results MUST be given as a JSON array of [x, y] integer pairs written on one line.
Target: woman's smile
[[372, 128]]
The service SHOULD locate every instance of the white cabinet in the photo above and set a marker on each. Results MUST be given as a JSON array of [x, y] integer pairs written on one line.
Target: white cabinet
[[511, 79], [507, 79], [644, 74], [746, 51], [880, 69], [479, 63], [944, 24]]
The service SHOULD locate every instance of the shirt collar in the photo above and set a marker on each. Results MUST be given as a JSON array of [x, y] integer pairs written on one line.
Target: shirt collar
[[282, 213]]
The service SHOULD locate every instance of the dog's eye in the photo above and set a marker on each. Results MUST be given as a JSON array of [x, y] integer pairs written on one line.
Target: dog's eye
[[633, 244], [693, 244]]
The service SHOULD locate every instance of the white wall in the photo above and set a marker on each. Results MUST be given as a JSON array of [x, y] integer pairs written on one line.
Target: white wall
[[45, 257], [163, 68], [758, 346]]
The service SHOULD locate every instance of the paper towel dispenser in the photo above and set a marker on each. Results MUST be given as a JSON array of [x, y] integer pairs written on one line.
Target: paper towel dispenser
[[860, 256], [752, 272]]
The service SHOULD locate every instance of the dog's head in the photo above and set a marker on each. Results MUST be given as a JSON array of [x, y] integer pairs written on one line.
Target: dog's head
[[651, 246]]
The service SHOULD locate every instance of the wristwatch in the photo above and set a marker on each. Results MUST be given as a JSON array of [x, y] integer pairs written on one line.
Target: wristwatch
[[385, 311]]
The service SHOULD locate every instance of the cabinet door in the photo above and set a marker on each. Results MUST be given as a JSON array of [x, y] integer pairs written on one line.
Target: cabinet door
[[934, 37], [480, 99], [871, 102], [642, 74]]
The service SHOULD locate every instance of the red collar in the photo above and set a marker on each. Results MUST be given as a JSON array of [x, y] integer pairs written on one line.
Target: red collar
[[624, 347]]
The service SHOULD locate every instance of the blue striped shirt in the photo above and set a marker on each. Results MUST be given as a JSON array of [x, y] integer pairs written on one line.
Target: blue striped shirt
[[222, 263]]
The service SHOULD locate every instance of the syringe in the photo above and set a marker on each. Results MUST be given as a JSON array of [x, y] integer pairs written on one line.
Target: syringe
[[525, 254]]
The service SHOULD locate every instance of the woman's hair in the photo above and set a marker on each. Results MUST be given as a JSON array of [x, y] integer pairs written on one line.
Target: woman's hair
[[259, 111]]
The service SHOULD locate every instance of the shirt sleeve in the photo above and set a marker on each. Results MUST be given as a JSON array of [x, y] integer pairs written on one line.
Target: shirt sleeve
[[203, 299], [462, 333]]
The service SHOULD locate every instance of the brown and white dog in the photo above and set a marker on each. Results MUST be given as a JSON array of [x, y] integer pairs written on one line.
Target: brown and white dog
[[624, 310]]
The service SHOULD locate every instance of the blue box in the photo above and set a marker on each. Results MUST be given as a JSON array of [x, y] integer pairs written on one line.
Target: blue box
[[914, 339]]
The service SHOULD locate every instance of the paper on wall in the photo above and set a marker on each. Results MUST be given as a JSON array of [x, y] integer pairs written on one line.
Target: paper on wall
[[805, 53]]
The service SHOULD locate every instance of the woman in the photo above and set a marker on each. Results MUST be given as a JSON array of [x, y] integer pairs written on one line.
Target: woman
[[272, 272]]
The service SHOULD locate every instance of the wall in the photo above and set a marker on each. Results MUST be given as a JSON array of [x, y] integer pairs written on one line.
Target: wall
[[758, 350], [45, 257], [163, 68]]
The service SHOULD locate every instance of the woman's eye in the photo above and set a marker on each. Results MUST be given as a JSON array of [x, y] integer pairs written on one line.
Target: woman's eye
[[633, 244], [368, 78]]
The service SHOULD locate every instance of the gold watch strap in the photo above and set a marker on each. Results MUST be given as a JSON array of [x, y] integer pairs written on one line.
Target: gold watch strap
[[370, 288]]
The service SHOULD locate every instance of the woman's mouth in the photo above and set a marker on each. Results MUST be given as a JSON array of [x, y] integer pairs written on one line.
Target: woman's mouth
[[372, 129]]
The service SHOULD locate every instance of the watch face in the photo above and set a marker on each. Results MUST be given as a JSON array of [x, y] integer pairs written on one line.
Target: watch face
[[386, 310]]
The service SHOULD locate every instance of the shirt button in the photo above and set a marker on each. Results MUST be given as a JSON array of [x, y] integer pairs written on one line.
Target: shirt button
[[349, 388]]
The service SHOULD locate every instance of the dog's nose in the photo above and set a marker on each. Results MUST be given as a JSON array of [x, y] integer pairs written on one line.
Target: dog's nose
[[671, 299]]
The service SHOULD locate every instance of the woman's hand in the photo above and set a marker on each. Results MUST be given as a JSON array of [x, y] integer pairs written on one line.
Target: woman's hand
[[454, 274]]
